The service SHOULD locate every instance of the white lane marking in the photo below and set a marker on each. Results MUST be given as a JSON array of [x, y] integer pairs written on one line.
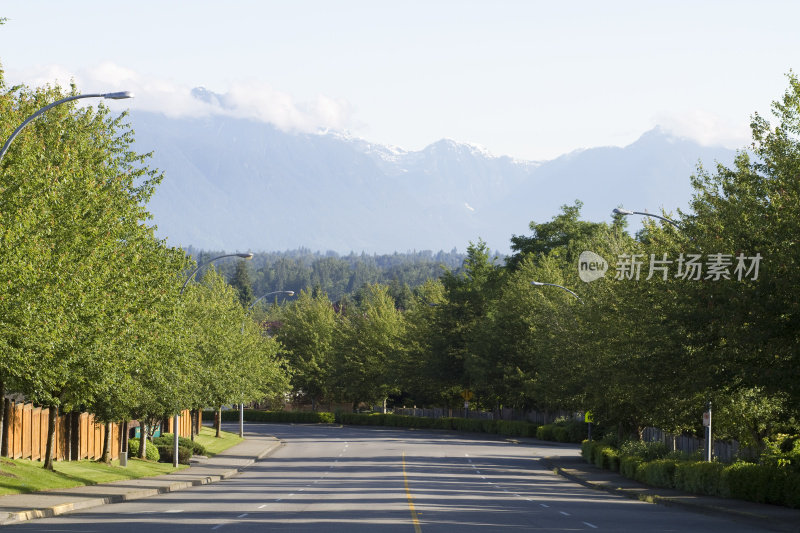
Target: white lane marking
[[292, 494], [591, 525], [301, 490], [218, 526], [565, 514], [242, 515], [262, 506], [483, 477], [544, 505], [529, 499], [279, 499], [174, 511]]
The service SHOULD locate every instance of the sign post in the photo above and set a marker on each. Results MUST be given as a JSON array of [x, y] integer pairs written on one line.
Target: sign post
[[707, 424], [588, 417], [467, 395]]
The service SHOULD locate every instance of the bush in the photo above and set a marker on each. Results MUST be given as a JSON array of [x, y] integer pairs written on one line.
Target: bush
[[647, 451], [699, 477], [588, 448], [546, 432], [658, 473], [167, 439], [166, 455], [150, 451], [629, 465]]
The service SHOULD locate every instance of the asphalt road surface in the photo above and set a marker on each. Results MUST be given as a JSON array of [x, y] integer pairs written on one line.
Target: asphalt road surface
[[351, 479]]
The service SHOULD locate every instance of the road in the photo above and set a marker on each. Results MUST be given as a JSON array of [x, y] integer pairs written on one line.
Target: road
[[351, 479]]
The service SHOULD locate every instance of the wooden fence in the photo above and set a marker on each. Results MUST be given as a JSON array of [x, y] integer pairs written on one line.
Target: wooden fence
[[77, 436]]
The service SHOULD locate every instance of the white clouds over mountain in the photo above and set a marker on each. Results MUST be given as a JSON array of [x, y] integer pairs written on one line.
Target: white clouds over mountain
[[252, 100]]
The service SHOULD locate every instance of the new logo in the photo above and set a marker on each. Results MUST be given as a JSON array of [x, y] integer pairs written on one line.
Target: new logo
[[591, 266]]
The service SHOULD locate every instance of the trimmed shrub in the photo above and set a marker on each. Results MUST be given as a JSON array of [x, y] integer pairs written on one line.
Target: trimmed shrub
[[629, 465], [166, 455], [647, 451], [658, 473], [253, 415], [546, 432], [576, 430], [561, 434], [588, 449], [150, 451], [605, 457], [699, 477], [166, 439]]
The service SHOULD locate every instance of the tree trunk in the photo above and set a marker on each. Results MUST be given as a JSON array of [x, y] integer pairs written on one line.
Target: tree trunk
[[142, 440], [2, 410], [219, 422], [107, 444], [52, 415], [4, 442], [123, 443], [193, 424]]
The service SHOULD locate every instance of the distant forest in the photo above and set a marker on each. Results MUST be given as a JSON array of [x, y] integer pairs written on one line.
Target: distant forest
[[337, 275]]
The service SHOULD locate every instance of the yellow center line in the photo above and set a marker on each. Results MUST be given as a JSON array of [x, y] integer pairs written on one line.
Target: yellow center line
[[414, 518]]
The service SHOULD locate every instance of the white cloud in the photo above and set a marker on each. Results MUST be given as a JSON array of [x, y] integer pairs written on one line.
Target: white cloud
[[707, 128], [258, 101]]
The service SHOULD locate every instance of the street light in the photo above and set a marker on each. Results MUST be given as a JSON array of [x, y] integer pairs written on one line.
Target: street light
[[541, 283], [246, 256], [111, 96], [626, 212], [241, 404]]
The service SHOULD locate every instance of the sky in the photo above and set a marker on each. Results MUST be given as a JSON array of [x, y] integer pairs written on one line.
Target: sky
[[528, 79]]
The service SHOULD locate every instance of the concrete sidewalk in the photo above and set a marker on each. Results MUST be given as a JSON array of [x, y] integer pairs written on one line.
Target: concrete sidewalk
[[20, 507], [763, 516]]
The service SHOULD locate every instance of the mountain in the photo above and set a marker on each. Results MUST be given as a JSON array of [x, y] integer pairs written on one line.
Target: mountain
[[235, 184]]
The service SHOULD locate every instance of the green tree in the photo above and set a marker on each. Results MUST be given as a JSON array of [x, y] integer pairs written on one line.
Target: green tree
[[370, 349], [72, 193], [241, 282], [307, 334]]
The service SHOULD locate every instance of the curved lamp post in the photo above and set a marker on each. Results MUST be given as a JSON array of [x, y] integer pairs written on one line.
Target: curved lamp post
[[249, 307], [541, 283], [111, 96], [626, 212], [246, 256]]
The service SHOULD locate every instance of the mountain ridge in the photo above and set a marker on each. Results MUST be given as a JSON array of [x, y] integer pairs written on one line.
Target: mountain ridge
[[239, 184]]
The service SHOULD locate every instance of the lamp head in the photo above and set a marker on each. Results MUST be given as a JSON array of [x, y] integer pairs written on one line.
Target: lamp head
[[119, 95], [248, 256], [621, 211]]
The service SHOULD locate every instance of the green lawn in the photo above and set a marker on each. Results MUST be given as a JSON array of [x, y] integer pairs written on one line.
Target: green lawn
[[20, 476], [214, 445]]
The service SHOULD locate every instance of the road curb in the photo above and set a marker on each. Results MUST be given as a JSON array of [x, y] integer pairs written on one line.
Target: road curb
[[136, 494]]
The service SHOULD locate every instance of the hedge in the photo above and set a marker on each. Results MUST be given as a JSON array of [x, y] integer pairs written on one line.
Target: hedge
[[564, 431], [500, 427], [253, 415], [744, 481]]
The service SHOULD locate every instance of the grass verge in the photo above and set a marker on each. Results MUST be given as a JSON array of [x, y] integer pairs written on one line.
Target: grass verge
[[214, 445], [19, 476], [22, 475]]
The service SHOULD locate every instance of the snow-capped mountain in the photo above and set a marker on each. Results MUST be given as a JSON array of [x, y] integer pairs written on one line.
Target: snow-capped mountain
[[235, 184]]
